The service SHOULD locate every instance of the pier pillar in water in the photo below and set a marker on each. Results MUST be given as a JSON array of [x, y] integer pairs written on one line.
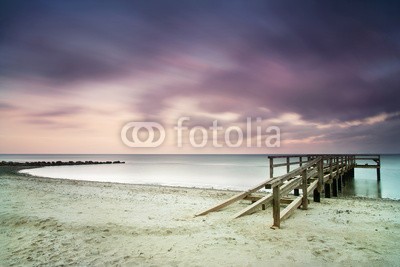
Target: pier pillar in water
[[378, 174], [327, 190], [339, 180], [343, 178], [317, 195], [351, 173]]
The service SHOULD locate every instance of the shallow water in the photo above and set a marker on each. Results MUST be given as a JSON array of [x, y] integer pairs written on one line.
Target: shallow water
[[206, 171]]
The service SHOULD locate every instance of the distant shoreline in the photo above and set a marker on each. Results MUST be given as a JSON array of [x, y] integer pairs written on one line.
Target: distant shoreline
[[14, 172]]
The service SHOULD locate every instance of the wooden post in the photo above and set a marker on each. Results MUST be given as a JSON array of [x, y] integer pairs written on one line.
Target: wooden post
[[271, 167], [296, 192], [327, 190], [288, 164], [340, 183], [317, 191], [334, 187], [341, 165], [378, 170], [328, 185], [317, 195], [351, 173], [304, 189], [337, 166], [276, 206], [320, 168]]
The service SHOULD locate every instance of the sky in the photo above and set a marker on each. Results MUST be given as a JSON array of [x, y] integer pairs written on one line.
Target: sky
[[73, 73]]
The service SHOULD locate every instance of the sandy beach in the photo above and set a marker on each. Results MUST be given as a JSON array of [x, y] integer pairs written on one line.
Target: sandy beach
[[64, 222]]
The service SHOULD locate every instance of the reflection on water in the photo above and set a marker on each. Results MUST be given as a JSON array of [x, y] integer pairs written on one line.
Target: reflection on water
[[365, 182], [218, 171], [362, 187]]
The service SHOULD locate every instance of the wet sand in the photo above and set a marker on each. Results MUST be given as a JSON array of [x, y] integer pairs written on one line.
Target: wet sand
[[62, 222]]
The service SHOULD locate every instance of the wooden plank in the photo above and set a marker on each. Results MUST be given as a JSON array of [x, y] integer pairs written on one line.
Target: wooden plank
[[276, 206], [224, 203], [295, 155], [233, 199], [289, 186], [291, 208], [284, 190], [251, 208], [253, 197], [312, 186], [312, 173], [286, 200], [326, 177], [285, 164]]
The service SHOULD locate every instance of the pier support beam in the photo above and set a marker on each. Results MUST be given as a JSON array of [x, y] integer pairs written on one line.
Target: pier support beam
[[271, 167], [276, 206], [334, 188], [317, 195], [304, 189], [296, 192], [351, 173], [378, 174], [340, 183], [288, 164], [327, 190]]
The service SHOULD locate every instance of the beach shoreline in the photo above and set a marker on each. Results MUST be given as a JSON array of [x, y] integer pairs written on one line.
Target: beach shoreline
[[58, 221]]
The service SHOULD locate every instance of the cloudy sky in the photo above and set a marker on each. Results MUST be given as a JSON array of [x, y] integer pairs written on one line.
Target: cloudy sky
[[72, 73]]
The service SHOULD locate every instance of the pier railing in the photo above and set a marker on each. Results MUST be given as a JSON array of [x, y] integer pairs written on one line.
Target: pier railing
[[313, 174]]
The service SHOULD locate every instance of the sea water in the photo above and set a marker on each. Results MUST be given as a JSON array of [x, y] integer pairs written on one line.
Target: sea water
[[236, 172]]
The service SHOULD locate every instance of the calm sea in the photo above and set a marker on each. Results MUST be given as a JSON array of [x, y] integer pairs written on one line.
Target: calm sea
[[236, 172]]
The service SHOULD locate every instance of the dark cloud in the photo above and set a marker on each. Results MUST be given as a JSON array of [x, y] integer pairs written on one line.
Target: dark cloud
[[6, 106], [49, 124], [59, 112], [326, 61]]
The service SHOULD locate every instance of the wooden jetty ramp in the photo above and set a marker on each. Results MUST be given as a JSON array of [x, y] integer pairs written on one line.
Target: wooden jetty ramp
[[313, 174]]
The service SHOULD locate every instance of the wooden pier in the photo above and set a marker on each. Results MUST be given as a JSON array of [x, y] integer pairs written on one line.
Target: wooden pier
[[310, 174]]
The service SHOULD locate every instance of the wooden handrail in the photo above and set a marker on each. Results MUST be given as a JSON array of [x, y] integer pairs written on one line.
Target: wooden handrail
[[280, 179]]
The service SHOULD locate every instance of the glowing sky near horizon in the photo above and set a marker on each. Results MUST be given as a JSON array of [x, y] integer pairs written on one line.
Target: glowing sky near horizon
[[72, 73]]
